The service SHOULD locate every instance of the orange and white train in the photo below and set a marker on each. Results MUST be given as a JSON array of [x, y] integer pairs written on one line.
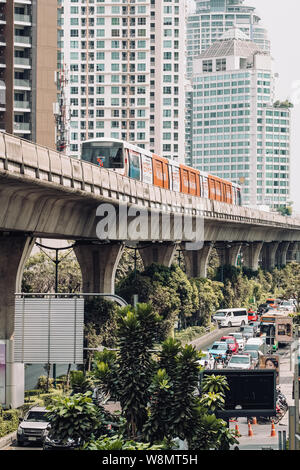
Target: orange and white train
[[142, 165]]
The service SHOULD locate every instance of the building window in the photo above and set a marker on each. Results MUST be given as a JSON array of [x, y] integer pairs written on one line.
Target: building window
[[207, 66]]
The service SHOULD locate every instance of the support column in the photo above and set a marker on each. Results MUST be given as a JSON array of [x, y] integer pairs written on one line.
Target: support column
[[292, 252], [282, 254], [160, 253], [251, 255], [14, 251], [269, 255], [196, 261], [98, 263], [228, 253]]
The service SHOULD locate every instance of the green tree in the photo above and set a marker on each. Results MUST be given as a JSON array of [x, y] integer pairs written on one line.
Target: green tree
[[75, 416]]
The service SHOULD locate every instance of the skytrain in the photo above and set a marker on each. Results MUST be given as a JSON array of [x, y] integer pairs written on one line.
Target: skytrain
[[142, 165]]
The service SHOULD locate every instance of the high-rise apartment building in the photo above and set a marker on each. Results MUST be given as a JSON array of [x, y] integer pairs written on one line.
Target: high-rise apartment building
[[125, 66], [28, 51], [212, 18], [239, 132]]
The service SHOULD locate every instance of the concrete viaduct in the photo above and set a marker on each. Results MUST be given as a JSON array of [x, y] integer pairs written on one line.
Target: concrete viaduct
[[46, 194]]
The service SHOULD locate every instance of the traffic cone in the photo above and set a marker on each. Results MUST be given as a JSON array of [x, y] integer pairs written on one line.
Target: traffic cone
[[237, 431], [250, 432], [254, 420], [273, 432]]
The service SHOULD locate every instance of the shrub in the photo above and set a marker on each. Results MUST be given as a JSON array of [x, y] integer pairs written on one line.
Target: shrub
[[9, 422]]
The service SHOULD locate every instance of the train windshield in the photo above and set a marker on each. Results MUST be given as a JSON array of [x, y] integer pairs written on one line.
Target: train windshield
[[106, 154]]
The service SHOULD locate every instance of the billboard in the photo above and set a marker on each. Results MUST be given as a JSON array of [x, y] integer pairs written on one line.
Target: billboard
[[270, 362], [49, 330], [2, 372], [251, 392]]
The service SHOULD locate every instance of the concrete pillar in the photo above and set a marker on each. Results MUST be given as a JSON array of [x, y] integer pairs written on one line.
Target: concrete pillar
[[14, 251], [251, 255], [269, 255], [292, 252], [98, 263], [282, 254], [228, 253], [196, 261], [160, 253]]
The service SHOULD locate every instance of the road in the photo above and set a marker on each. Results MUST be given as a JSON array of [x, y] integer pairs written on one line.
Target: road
[[261, 438]]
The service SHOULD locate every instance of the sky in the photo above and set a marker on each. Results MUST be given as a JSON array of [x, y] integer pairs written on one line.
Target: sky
[[281, 19]]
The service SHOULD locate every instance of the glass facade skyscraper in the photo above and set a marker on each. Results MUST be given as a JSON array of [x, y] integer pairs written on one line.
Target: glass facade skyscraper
[[238, 133], [213, 17]]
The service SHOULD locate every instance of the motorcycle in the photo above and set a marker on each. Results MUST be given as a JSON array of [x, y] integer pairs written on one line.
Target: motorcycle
[[281, 408]]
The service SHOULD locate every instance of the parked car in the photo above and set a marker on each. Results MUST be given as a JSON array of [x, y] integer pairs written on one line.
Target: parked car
[[240, 361], [33, 426], [207, 361], [231, 317], [247, 331], [219, 350], [232, 344], [240, 340]]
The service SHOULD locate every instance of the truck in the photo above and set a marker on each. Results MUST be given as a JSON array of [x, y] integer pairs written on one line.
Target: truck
[[277, 328]]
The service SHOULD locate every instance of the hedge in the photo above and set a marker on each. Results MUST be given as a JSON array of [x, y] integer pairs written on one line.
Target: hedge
[[9, 421]]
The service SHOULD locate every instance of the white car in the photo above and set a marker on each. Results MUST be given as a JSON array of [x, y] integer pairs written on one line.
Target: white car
[[207, 361], [240, 361], [241, 341]]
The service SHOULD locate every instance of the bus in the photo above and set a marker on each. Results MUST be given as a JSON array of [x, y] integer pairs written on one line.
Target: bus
[[277, 329]]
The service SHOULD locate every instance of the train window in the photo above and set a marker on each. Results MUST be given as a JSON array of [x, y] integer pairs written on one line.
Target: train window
[[185, 181], [134, 165], [147, 169], [175, 178], [192, 184], [106, 154]]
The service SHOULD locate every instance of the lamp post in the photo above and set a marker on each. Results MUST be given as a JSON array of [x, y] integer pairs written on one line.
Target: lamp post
[[56, 262]]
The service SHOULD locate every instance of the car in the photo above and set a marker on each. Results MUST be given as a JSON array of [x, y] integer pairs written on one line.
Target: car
[[247, 331], [256, 325], [50, 443], [240, 340], [255, 355], [219, 350], [262, 308], [255, 351], [232, 344], [231, 317], [240, 361], [287, 306], [252, 315], [207, 361], [33, 426]]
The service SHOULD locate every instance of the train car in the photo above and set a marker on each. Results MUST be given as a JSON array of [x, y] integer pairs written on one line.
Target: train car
[[138, 163]]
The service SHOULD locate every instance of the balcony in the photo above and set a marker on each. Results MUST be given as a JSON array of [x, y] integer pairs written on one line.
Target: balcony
[[24, 19], [21, 127], [24, 84], [23, 41], [22, 106], [2, 40], [22, 62]]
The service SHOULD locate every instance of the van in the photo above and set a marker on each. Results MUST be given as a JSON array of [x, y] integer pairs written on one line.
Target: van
[[231, 317]]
